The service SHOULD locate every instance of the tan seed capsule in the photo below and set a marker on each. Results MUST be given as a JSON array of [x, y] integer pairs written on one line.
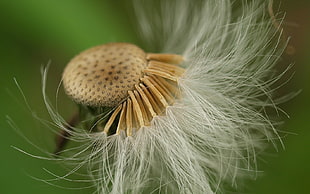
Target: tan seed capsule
[[102, 76], [136, 84]]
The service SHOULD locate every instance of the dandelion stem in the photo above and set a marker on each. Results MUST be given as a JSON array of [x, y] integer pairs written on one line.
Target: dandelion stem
[[63, 137]]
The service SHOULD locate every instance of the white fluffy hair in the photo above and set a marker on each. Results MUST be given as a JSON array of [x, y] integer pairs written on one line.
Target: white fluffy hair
[[211, 135]]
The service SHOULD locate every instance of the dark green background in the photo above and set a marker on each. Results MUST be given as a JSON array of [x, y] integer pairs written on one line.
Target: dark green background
[[36, 32]]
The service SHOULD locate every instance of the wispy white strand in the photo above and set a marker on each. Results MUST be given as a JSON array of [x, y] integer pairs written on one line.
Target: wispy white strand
[[212, 134]]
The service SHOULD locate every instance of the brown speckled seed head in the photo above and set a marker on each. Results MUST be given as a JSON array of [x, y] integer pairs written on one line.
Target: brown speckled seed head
[[103, 75]]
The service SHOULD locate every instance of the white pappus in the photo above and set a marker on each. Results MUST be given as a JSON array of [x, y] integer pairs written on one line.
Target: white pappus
[[210, 135]]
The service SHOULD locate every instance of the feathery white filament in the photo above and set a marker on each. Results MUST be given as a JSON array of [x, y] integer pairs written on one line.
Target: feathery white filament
[[210, 135]]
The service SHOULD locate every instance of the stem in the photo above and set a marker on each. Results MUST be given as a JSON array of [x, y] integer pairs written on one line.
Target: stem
[[63, 138]]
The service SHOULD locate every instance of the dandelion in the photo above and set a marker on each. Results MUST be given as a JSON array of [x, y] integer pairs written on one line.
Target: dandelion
[[187, 114]]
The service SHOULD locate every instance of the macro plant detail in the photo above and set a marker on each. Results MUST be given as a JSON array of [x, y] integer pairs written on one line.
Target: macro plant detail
[[122, 75], [185, 114]]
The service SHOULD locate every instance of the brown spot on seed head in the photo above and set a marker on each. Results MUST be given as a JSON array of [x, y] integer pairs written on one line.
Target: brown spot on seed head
[[104, 63]]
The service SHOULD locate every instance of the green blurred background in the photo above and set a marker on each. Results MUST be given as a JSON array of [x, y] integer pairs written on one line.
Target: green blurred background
[[34, 33]]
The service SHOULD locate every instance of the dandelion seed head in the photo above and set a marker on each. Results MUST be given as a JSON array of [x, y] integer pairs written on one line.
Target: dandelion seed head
[[194, 116], [136, 84]]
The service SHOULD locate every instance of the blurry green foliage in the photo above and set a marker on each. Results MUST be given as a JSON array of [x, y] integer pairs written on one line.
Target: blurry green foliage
[[36, 32]]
